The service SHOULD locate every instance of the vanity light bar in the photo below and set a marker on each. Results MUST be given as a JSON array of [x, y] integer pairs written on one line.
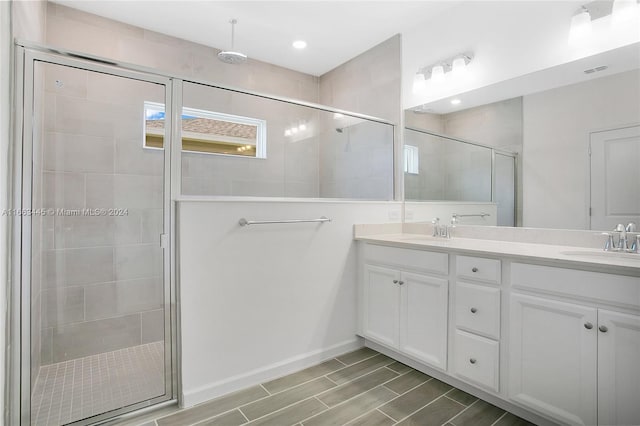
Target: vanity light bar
[[446, 64]]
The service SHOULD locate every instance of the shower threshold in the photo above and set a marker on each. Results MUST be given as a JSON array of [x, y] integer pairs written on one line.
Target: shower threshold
[[72, 390]]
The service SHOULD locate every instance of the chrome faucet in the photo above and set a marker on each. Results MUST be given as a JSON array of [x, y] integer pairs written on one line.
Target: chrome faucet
[[442, 231], [624, 232]]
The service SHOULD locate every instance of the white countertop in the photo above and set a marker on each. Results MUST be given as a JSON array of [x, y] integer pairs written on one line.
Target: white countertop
[[567, 256]]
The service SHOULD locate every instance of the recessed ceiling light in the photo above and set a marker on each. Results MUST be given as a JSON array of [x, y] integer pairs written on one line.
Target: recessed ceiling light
[[455, 101], [299, 44]]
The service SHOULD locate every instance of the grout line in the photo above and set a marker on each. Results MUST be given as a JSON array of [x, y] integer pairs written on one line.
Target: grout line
[[265, 389], [340, 362], [430, 402], [321, 402], [325, 376], [499, 418], [242, 414], [385, 414], [280, 409], [465, 409], [459, 403]]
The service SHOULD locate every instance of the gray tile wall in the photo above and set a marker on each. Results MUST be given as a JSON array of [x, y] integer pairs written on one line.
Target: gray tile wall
[[101, 276]]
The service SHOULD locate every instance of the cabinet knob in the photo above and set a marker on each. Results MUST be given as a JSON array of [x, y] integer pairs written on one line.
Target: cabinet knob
[[472, 360], [395, 281], [474, 269], [400, 282], [588, 325], [603, 329], [474, 310]]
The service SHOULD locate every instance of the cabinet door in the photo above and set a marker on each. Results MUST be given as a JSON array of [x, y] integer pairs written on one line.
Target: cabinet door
[[423, 318], [552, 358], [618, 369], [382, 304]]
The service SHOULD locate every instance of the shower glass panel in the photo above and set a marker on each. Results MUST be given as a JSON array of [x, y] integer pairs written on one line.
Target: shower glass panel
[[449, 170], [98, 299], [306, 152]]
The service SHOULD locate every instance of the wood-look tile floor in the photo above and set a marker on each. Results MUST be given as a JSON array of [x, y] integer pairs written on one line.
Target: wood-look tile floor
[[358, 388]]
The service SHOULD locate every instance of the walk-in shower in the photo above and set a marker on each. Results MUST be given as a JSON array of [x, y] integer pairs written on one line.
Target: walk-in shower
[[104, 149], [96, 299]]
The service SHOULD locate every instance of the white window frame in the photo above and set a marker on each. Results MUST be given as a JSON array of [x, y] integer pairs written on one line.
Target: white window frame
[[411, 160], [261, 127]]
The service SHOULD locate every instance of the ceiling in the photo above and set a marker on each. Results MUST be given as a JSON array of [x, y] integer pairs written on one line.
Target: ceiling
[[335, 31]]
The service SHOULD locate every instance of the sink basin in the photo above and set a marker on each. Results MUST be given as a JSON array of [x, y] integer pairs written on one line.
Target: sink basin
[[603, 254]]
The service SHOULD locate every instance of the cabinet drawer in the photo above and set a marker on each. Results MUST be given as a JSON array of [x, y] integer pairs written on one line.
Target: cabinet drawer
[[478, 268], [426, 261], [478, 309], [476, 359], [618, 289]]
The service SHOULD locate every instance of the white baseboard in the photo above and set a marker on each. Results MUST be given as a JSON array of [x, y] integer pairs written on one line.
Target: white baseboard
[[208, 392]]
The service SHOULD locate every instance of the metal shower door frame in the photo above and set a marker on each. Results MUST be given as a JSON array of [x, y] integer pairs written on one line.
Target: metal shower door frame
[[20, 328]]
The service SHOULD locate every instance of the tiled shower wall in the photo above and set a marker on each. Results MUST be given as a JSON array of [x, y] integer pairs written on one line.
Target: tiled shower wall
[[101, 276], [350, 161]]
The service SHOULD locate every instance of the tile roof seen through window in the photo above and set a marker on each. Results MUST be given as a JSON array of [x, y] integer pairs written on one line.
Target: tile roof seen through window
[[208, 126]]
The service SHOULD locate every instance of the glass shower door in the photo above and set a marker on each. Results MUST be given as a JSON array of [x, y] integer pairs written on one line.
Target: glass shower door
[[99, 302]]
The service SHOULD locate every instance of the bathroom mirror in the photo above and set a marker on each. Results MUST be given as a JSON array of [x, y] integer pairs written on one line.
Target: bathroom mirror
[[575, 130]]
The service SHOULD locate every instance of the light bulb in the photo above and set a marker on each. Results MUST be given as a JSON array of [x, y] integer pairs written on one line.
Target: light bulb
[[294, 130], [437, 74], [624, 11], [287, 132], [419, 83], [302, 126], [459, 66], [580, 27], [299, 44]]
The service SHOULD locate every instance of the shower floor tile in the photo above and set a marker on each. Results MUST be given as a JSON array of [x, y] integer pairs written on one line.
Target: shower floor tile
[[72, 390]]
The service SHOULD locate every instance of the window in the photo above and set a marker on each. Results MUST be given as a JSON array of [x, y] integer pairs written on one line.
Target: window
[[411, 160], [209, 132]]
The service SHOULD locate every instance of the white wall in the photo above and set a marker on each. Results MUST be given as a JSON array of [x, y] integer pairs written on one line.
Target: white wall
[[260, 301], [557, 124]]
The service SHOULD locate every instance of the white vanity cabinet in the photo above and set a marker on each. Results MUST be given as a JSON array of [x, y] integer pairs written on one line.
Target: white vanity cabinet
[[405, 302], [554, 344], [573, 360], [476, 345]]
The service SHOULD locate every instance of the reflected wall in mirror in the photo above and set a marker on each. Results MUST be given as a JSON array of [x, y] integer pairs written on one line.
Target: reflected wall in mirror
[[577, 135]]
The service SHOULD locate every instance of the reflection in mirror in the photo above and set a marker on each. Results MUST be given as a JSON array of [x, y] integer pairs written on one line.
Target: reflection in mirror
[[441, 168], [576, 132]]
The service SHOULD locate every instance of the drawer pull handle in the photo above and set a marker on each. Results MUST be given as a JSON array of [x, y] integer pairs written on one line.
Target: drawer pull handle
[[474, 269], [472, 360], [603, 329], [400, 282], [588, 325], [474, 310], [395, 281]]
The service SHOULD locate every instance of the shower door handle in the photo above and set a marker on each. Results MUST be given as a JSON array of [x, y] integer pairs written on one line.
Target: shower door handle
[[163, 241]]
